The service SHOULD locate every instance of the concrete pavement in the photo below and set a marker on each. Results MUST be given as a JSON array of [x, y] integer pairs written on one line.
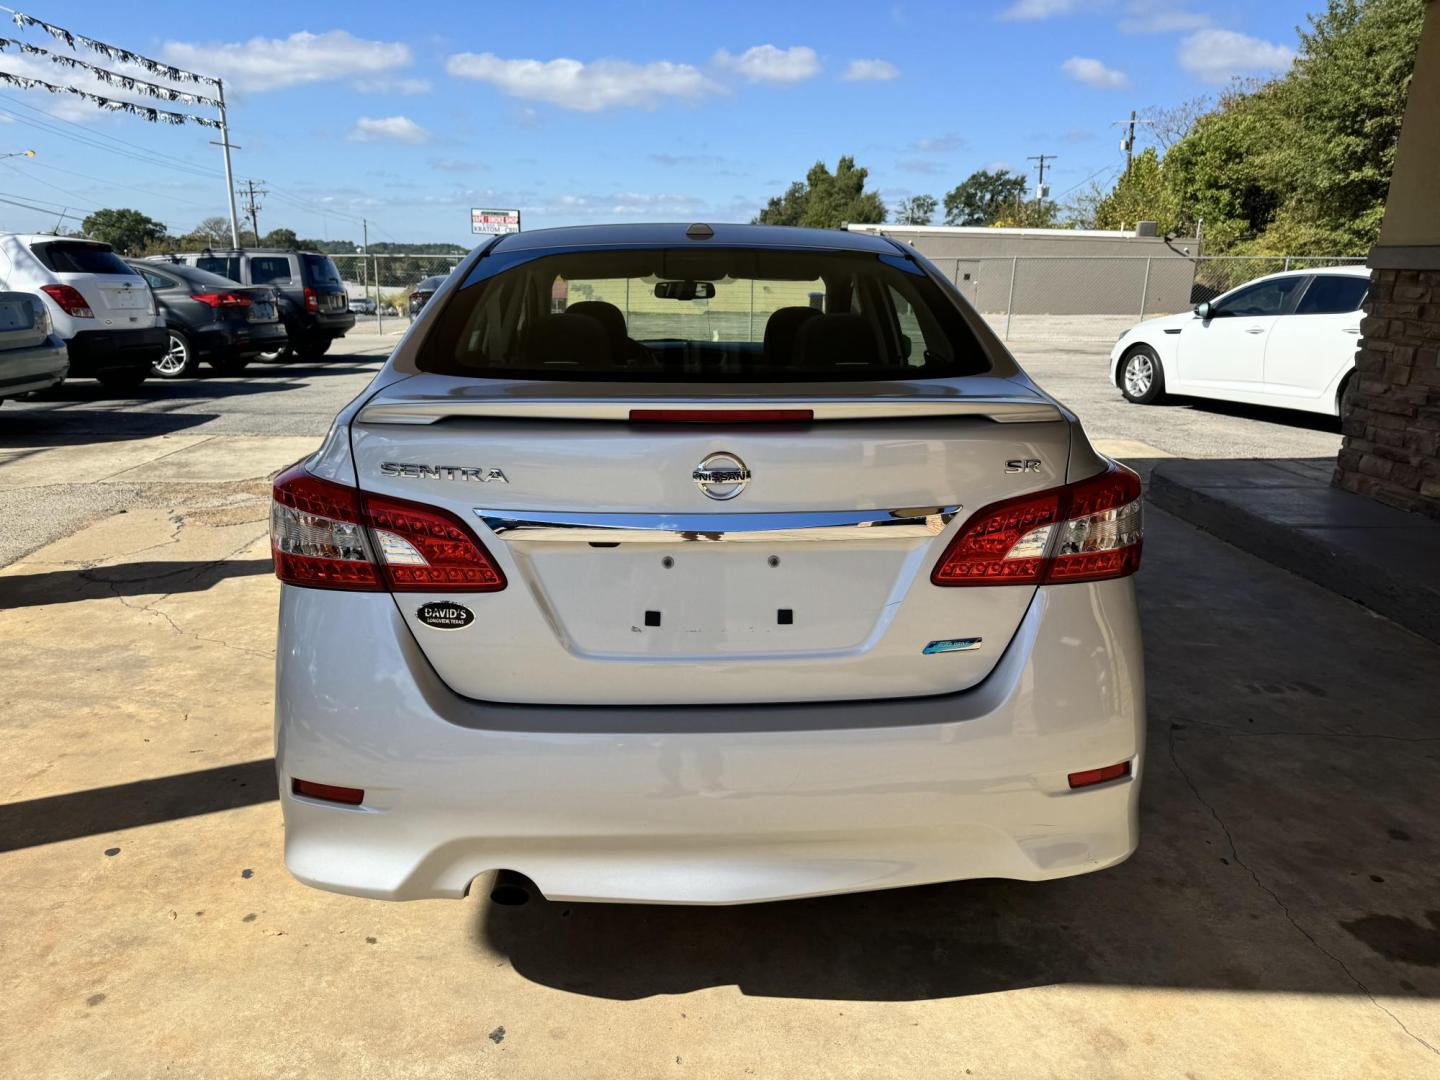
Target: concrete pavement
[[1279, 919]]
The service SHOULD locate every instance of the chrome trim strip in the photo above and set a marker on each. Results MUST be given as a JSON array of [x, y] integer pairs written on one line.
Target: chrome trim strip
[[1009, 409], [522, 526]]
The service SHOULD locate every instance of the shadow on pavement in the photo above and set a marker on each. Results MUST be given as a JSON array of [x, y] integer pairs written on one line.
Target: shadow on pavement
[[1267, 413], [55, 818], [56, 427], [127, 579]]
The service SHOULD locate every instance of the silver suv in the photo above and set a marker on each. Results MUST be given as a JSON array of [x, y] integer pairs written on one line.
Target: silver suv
[[704, 565]]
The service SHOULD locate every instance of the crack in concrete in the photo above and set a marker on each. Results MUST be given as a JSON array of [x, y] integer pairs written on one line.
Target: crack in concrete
[[1284, 909], [150, 606]]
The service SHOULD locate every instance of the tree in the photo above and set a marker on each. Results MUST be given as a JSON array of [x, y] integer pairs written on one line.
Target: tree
[[1301, 164], [916, 210], [983, 197], [281, 238], [127, 231], [1142, 194], [826, 200], [1029, 214]]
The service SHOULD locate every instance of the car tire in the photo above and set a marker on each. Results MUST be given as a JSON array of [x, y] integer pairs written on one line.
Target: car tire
[[1342, 399], [229, 365], [123, 381], [313, 348], [1142, 379], [178, 361]]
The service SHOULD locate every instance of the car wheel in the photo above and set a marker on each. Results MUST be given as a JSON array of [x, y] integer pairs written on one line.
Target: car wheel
[[313, 348], [1142, 379], [229, 365], [122, 381], [178, 360], [1344, 401]]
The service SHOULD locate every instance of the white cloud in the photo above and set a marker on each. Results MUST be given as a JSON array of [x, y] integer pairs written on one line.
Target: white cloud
[[1160, 17], [1217, 56], [303, 57], [940, 144], [871, 71], [389, 85], [767, 64], [1092, 72], [388, 129], [1039, 9], [585, 87]]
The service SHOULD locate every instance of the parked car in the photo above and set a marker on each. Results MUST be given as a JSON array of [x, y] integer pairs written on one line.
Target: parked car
[[97, 304], [422, 292], [389, 310], [362, 305], [735, 600], [210, 318], [1286, 339], [314, 305], [32, 356]]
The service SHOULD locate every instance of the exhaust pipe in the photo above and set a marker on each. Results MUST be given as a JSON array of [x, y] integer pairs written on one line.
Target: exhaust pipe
[[510, 889]]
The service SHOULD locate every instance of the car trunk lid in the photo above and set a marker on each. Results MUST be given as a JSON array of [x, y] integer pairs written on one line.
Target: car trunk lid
[[705, 562]]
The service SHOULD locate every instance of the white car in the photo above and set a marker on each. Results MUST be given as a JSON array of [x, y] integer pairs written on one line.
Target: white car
[[1287, 340], [99, 306], [640, 574]]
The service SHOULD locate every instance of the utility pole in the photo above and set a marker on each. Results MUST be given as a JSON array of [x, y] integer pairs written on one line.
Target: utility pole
[[1040, 189], [229, 176], [1128, 142], [252, 207]]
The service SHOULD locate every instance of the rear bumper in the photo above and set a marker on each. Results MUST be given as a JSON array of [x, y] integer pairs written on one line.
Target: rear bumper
[[96, 351], [38, 367], [712, 804], [240, 340], [334, 325]]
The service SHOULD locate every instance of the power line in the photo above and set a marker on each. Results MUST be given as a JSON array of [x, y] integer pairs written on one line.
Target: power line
[[92, 134], [252, 207]]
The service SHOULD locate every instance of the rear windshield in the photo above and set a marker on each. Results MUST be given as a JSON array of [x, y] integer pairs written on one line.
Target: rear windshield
[[717, 315], [68, 257], [318, 269]]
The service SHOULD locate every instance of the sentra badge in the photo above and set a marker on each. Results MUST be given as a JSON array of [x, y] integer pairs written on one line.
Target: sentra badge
[[443, 472]]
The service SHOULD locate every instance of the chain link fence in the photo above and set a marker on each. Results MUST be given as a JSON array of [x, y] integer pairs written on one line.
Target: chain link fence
[[388, 281], [1095, 298], [1024, 298]]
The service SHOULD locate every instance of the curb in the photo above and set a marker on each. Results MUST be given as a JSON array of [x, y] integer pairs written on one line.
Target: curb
[[1387, 589]]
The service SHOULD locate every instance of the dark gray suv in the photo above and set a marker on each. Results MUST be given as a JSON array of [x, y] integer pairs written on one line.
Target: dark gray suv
[[313, 303]]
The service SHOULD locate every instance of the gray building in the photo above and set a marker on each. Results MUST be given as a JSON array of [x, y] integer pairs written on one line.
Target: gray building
[[1057, 271]]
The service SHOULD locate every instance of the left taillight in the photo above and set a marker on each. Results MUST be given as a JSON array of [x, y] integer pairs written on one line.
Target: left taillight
[[1086, 531], [328, 536]]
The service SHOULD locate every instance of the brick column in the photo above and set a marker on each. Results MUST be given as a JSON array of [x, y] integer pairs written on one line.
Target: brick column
[[1391, 417]]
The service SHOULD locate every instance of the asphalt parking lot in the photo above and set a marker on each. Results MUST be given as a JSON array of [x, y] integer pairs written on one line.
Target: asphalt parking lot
[[1278, 920]]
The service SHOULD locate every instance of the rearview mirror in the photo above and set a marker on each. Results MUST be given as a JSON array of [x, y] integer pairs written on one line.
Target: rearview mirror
[[1202, 309], [685, 290]]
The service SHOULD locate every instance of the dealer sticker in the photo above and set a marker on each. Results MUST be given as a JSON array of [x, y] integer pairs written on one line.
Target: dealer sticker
[[445, 615]]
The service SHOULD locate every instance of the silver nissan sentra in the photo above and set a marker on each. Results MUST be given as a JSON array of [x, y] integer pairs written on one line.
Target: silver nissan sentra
[[704, 564]]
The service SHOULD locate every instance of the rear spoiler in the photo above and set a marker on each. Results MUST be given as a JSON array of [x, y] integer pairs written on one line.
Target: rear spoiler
[[1007, 409]]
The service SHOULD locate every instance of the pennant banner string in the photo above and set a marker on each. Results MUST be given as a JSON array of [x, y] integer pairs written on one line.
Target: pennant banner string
[[112, 78], [145, 112], [110, 52]]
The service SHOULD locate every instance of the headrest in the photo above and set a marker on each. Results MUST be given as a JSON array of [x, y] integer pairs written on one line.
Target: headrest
[[836, 341], [566, 340], [780, 330]]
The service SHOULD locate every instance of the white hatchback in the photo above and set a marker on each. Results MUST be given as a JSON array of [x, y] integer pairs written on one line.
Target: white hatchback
[[1287, 340], [704, 565], [99, 305]]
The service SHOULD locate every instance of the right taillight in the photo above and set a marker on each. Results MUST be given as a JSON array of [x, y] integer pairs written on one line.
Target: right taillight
[[1086, 531], [328, 536], [68, 299], [219, 300]]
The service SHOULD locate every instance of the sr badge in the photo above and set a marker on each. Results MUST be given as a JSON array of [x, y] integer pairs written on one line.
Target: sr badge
[[445, 615]]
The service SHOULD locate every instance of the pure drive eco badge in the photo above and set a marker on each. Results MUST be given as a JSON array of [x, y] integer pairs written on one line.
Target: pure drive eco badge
[[445, 615]]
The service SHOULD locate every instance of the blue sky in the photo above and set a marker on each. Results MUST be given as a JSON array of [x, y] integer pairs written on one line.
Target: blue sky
[[602, 112]]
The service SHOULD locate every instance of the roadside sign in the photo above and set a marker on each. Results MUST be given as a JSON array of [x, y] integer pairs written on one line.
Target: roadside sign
[[494, 221]]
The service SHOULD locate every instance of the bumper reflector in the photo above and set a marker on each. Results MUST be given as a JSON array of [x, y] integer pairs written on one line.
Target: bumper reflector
[[330, 793], [1089, 777]]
